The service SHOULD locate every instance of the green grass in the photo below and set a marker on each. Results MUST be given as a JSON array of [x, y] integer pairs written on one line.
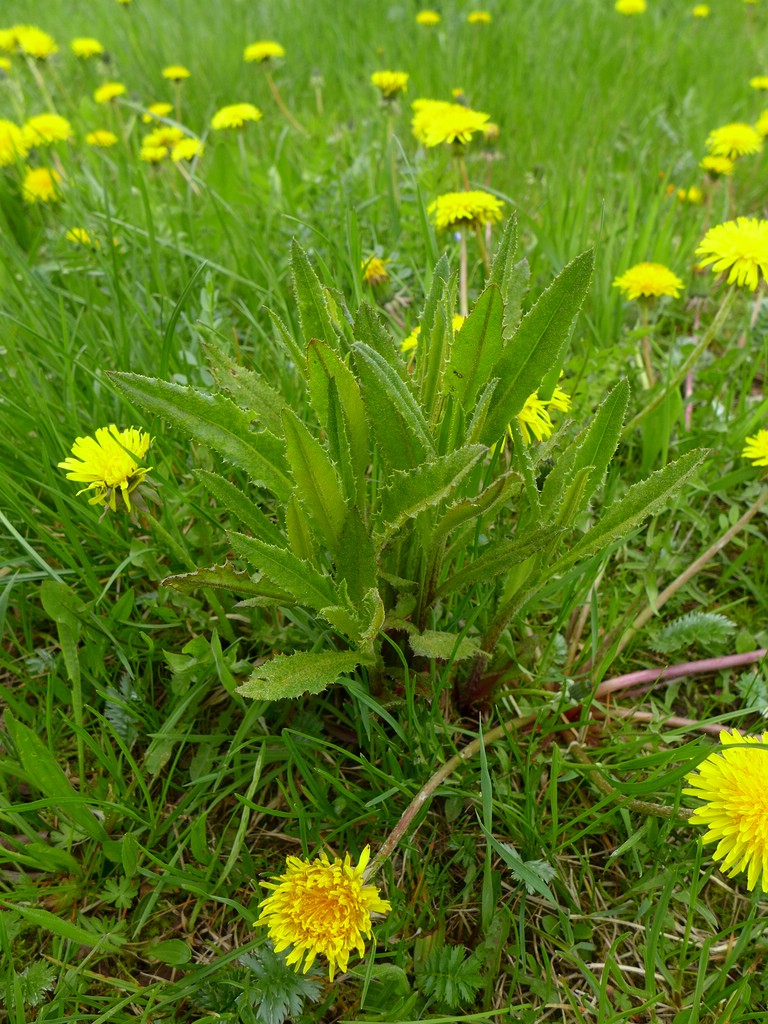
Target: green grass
[[142, 799]]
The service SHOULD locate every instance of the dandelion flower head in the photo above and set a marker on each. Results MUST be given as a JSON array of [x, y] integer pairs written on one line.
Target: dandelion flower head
[[534, 419], [321, 907], [156, 110], [428, 18], [449, 123], [235, 116], [153, 154], [264, 50], [759, 82], [81, 237], [756, 448], [648, 280], [164, 135], [5, 66], [390, 83], [109, 91], [733, 783], [13, 145], [411, 342], [176, 72], [40, 185], [739, 247], [375, 271], [700, 11], [465, 209], [8, 40], [85, 47], [46, 129], [734, 140], [717, 166], [108, 464], [102, 138], [631, 6], [479, 18], [187, 149], [34, 42], [691, 195]]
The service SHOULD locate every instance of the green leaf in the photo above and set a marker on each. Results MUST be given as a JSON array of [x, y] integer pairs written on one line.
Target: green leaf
[[536, 345], [516, 285], [595, 446], [498, 558], [356, 557], [107, 942], [397, 421], [476, 349], [299, 530], [226, 577], [67, 611], [247, 388], [369, 328], [215, 421], [244, 509], [412, 491], [528, 872], [291, 675], [285, 570], [443, 646], [43, 772], [503, 258], [317, 484], [293, 348], [314, 315], [170, 951], [468, 509], [432, 355], [640, 501]]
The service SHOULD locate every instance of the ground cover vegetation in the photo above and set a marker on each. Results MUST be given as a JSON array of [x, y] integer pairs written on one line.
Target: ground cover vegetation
[[384, 579]]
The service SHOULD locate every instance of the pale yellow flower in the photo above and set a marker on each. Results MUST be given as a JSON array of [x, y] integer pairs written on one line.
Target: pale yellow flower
[[13, 146], [187, 149], [109, 91], [390, 83], [85, 47], [734, 140], [465, 209], [40, 185], [428, 18], [235, 116], [739, 247], [46, 129], [176, 72], [648, 281], [264, 50], [156, 110], [109, 464], [102, 138]]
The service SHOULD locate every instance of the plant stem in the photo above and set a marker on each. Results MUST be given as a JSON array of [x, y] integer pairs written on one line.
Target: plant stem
[[279, 101], [463, 301], [641, 806], [686, 668], [714, 328]]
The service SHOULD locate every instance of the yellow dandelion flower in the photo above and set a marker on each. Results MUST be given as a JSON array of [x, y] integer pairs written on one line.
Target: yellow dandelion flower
[[46, 129], [490, 132], [81, 237], [756, 448], [8, 40], [479, 18], [739, 246], [424, 112], [691, 195], [156, 110], [630, 6], [5, 65], [85, 47], [734, 140], [733, 783], [109, 464], [390, 83], [452, 123], [321, 907], [40, 185], [102, 138], [187, 149], [264, 50], [410, 343], [164, 135], [375, 270], [13, 146], [465, 209], [534, 419], [235, 116], [647, 281], [700, 11], [719, 166], [34, 42], [153, 154], [428, 18], [109, 91], [176, 73], [759, 82]]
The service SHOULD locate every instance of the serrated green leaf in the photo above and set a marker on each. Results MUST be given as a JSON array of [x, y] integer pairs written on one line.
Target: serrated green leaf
[[215, 421], [369, 328], [245, 386], [314, 315], [356, 557], [397, 421], [243, 508], [524, 871], [412, 491], [503, 258], [432, 355], [318, 487], [299, 531], [291, 675], [499, 557], [292, 347], [468, 509], [476, 349], [42, 770], [536, 345], [226, 577], [285, 570], [515, 287], [443, 646], [641, 500], [595, 446]]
